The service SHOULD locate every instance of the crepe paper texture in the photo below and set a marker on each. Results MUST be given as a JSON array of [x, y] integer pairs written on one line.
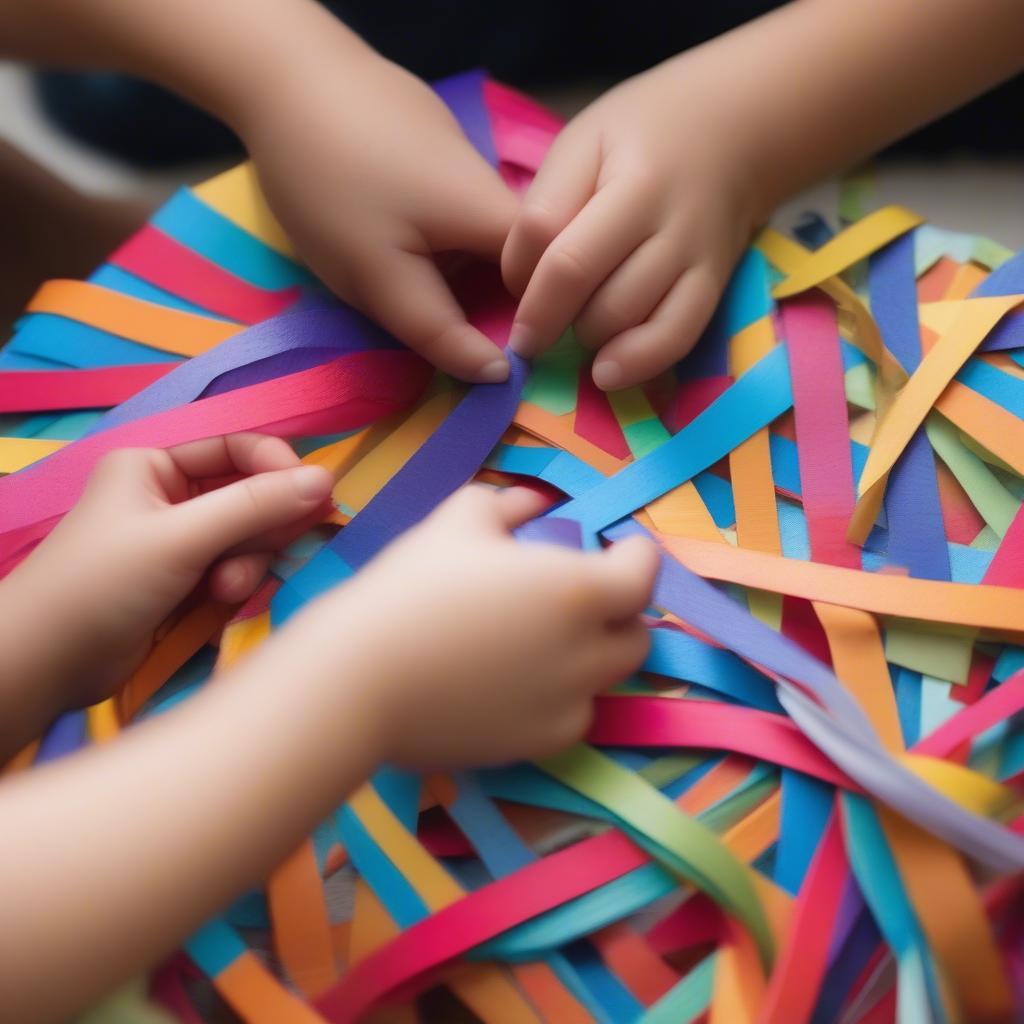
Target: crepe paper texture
[[809, 803]]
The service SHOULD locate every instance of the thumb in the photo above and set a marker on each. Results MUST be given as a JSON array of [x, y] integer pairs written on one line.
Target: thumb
[[481, 222], [625, 578], [207, 526]]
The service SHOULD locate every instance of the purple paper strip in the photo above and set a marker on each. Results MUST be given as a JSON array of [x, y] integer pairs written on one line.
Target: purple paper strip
[[446, 461], [917, 533], [464, 96], [329, 332], [836, 725]]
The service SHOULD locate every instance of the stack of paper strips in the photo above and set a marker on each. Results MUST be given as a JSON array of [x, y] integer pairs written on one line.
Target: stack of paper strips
[[808, 806]]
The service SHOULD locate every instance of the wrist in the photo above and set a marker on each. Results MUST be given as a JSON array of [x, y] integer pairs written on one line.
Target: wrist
[[280, 72], [32, 683], [337, 678]]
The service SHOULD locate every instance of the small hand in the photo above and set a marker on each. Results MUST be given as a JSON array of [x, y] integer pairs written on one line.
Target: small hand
[[373, 179], [150, 525], [478, 649], [630, 229]]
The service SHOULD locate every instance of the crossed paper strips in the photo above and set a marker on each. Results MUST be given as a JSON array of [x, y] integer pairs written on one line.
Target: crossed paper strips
[[810, 803]]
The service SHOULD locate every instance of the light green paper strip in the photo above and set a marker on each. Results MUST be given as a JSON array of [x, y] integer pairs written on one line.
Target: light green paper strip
[[860, 386], [941, 655], [643, 438], [994, 503], [554, 377], [686, 999], [985, 455], [128, 1006], [630, 406], [640, 425], [987, 540], [932, 243], [988, 253], [683, 845]]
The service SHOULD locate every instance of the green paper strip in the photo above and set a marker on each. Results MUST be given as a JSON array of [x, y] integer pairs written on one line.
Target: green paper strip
[[554, 377], [640, 425], [994, 503], [942, 655], [985, 455], [681, 844], [987, 540], [128, 1006], [687, 999], [988, 253], [860, 386]]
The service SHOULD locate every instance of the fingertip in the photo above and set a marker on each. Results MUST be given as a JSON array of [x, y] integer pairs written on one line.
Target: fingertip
[[607, 373], [269, 453], [631, 566], [311, 483], [524, 340], [641, 552], [668, 334], [467, 354], [518, 505], [235, 579]]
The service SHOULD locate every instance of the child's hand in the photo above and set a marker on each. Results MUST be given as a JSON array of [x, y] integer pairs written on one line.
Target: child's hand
[[475, 648], [631, 228], [372, 178], [142, 537]]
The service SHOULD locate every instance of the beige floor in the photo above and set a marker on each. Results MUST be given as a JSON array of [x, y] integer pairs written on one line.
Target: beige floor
[[981, 197]]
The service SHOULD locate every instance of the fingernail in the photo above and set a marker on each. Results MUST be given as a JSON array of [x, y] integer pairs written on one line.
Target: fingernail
[[494, 372], [522, 340], [311, 482], [607, 374]]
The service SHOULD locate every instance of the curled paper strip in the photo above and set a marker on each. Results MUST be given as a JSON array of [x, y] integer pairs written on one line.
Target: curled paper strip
[[807, 805]]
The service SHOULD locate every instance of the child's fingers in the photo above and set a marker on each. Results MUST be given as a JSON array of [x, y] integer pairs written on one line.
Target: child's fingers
[[231, 454], [235, 579], [623, 577], [631, 293], [482, 220], [604, 233], [566, 180], [642, 352], [617, 654], [206, 526], [518, 505], [278, 538], [407, 295]]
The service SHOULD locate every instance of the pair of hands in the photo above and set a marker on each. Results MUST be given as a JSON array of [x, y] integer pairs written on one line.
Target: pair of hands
[[457, 645], [629, 231]]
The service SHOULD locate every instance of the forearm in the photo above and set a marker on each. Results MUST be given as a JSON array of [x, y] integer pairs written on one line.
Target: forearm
[[222, 55], [34, 667], [113, 856], [820, 84]]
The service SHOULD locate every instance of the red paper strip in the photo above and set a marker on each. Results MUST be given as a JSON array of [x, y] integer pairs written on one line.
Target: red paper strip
[[42, 390], [595, 421], [341, 395], [167, 264], [823, 431], [671, 722]]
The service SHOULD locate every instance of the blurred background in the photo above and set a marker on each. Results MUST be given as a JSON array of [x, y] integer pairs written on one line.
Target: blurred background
[[115, 137]]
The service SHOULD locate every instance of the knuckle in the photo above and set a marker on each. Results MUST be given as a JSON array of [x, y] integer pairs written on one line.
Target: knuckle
[[438, 343], [568, 266], [537, 224], [123, 462], [252, 492]]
